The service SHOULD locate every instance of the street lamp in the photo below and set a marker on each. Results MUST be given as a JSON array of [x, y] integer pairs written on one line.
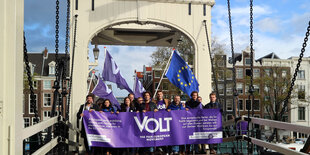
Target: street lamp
[[92, 65], [96, 52]]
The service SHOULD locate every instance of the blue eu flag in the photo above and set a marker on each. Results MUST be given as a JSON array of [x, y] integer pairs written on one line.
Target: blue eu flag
[[180, 74]]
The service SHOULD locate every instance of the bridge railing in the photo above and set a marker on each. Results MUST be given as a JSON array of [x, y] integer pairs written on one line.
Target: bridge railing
[[51, 122], [270, 123]]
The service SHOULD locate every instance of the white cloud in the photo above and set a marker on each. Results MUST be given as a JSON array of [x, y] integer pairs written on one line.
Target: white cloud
[[269, 25], [271, 33]]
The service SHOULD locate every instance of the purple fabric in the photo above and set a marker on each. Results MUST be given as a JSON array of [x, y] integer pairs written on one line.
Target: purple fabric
[[103, 91], [139, 89], [161, 105], [152, 129], [243, 126], [112, 73]]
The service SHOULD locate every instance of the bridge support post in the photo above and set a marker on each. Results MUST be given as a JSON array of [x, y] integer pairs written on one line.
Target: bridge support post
[[11, 76]]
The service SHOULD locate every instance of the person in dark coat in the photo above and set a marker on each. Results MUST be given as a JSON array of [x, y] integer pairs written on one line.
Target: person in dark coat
[[193, 103], [107, 107], [213, 105], [90, 106], [148, 105], [139, 104], [127, 106], [177, 105]]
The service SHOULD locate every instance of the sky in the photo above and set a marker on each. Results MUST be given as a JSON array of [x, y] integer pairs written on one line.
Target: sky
[[279, 27]]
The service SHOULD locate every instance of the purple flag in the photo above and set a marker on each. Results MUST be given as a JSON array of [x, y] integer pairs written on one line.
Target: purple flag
[[139, 90], [151, 129], [112, 73], [104, 92]]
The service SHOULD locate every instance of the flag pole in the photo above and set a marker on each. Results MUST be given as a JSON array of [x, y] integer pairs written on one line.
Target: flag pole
[[105, 54], [134, 83], [163, 73]]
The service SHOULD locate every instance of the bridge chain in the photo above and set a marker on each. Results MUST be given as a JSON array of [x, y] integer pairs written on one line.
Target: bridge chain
[[286, 100], [212, 60], [235, 93], [251, 88], [33, 104]]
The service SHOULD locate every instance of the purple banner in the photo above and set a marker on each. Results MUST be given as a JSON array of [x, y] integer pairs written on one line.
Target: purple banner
[[130, 129]]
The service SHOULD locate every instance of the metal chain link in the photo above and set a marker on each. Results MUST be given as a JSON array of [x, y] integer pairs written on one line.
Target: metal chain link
[[211, 59], [64, 74], [303, 49], [233, 55], [251, 89], [235, 93], [56, 82], [33, 104]]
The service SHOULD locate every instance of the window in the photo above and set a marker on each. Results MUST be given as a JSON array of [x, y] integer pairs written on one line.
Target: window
[[284, 72], [256, 73], [267, 72], [51, 68], [229, 117], [47, 100], [229, 105], [31, 110], [220, 75], [239, 73], [247, 61], [246, 89], [240, 104], [229, 74], [301, 92], [301, 113], [220, 63], [46, 115], [156, 85], [301, 74], [165, 86], [248, 72], [256, 88], [248, 105], [35, 84], [47, 84], [239, 88], [256, 105], [34, 120], [26, 122], [157, 74], [221, 89], [229, 89]]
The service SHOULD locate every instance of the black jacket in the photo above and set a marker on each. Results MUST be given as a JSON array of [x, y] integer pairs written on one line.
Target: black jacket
[[152, 106], [214, 105], [131, 109], [78, 115]]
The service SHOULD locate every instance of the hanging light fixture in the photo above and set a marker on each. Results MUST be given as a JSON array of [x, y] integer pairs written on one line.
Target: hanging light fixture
[[96, 52]]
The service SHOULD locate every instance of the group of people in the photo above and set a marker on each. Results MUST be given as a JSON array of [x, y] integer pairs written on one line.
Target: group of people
[[132, 104]]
